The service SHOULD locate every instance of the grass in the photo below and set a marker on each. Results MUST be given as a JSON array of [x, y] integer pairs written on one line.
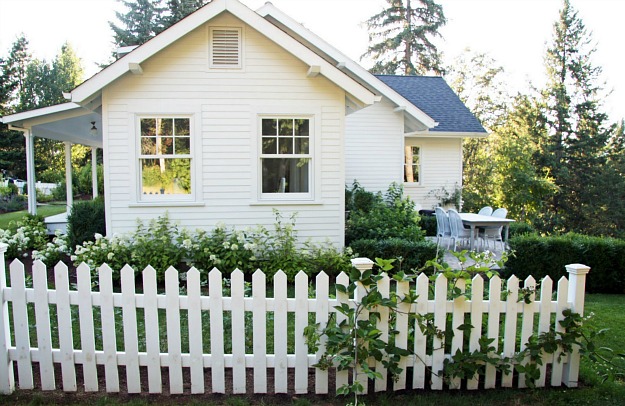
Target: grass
[[45, 211]]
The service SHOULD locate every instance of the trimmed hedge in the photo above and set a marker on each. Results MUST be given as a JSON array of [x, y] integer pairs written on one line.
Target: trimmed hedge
[[541, 256], [85, 219], [518, 228], [414, 253], [428, 224]]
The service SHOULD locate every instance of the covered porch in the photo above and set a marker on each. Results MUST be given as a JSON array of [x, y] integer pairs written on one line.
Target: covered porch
[[70, 123]]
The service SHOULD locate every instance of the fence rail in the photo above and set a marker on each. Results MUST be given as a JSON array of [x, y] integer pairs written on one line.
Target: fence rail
[[108, 324]]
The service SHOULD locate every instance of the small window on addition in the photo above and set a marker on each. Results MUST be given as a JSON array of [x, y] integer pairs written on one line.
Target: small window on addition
[[165, 157], [412, 164]]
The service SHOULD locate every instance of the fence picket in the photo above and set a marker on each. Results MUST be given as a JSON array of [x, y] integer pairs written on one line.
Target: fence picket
[[87, 336], [259, 326], [342, 377], [546, 286], [457, 320], [527, 324], [174, 342], [64, 321], [384, 290], [401, 338], [152, 331], [558, 360], [477, 311], [420, 341], [301, 321], [494, 299], [109, 338], [216, 330], [196, 350], [20, 321], [237, 289], [280, 332], [509, 342], [42, 317], [321, 317], [7, 377], [129, 314], [440, 317]]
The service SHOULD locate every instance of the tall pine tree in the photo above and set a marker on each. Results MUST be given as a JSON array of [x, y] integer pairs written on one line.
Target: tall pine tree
[[400, 38], [574, 151]]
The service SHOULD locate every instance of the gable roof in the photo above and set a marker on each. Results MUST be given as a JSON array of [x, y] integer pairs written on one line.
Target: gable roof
[[434, 96], [90, 89]]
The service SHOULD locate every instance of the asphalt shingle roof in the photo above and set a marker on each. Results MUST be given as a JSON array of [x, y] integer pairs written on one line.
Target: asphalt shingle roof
[[434, 97]]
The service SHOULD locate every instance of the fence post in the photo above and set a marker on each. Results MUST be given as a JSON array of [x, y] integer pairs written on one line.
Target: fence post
[[7, 380], [362, 264], [577, 288]]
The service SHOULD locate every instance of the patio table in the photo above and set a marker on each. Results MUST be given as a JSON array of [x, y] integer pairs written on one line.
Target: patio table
[[477, 220]]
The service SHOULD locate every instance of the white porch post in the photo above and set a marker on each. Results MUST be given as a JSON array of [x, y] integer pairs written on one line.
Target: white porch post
[[94, 171], [68, 174], [30, 171]]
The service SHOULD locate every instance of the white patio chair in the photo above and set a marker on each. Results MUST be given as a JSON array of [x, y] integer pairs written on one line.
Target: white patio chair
[[495, 232], [458, 231], [443, 229], [485, 211]]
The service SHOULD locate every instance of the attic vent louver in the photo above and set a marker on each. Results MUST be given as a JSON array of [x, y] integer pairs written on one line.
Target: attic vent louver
[[225, 47]]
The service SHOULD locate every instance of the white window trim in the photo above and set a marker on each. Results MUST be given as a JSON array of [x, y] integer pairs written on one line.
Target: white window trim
[[412, 143], [236, 68], [156, 199], [292, 111]]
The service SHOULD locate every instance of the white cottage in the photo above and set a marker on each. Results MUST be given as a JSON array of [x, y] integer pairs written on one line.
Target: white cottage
[[231, 113]]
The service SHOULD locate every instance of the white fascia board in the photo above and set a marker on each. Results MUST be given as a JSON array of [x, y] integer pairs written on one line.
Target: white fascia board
[[343, 62], [446, 134], [92, 86], [37, 116]]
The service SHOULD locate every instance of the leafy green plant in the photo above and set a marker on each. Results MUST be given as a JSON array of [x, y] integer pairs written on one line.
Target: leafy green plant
[[414, 254], [55, 251], [155, 244], [85, 219], [29, 233]]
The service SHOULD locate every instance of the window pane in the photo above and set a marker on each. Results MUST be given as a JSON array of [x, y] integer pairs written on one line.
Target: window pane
[[285, 145], [270, 145], [166, 126], [285, 126], [269, 126], [285, 175], [301, 145], [171, 176], [148, 145], [148, 126], [167, 145], [183, 145], [182, 126], [301, 127], [411, 164]]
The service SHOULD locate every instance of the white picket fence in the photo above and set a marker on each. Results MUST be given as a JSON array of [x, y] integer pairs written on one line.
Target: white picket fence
[[212, 369]]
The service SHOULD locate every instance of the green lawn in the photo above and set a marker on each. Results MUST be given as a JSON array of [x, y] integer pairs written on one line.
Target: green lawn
[[45, 211]]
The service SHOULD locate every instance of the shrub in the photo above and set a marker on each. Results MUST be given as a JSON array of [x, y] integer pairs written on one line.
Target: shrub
[[428, 225], [379, 218], [541, 256], [412, 254], [519, 228], [156, 245], [27, 234], [115, 251], [13, 203], [85, 219], [55, 251]]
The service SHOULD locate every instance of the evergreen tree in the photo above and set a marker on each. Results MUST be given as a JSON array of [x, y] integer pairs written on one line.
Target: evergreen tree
[[12, 73], [400, 38], [179, 9], [574, 152], [142, 21]]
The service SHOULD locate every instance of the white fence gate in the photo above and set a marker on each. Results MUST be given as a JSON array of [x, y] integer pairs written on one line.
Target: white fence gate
[[48, 312]]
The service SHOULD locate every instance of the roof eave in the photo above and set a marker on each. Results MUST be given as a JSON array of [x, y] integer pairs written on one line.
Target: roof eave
[[447, 134]]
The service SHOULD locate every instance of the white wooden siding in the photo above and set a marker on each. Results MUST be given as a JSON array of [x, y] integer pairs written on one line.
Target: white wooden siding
[[178, 80], [374, 155]]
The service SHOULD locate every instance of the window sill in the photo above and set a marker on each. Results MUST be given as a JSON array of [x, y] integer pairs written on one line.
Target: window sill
[[286, 203], [167, 204], [411, 185]]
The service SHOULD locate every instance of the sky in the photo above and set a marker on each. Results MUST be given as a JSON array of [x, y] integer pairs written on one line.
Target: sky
[[513, 32]]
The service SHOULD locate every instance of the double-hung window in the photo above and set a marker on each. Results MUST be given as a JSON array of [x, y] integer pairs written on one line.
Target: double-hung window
[[412, 164], [165, 158], [286, 158]]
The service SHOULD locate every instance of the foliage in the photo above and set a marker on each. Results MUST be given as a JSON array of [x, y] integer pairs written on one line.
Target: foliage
[[13, 202], [410, 254], [29, 233], [446, 197], [428, 225], [115, 251], [400, 38], [57, 250], [373, 216], [519, 228], [540, 256], [85, 219]]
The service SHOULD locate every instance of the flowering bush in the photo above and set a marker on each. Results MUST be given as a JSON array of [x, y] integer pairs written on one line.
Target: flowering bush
[[54, 251], [28, 233], [115, 251], [156, 245]]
